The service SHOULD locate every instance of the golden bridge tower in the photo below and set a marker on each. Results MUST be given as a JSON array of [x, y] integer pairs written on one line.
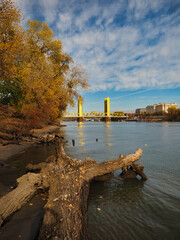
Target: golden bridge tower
[[107, 107], [80, 112], [80, 101]]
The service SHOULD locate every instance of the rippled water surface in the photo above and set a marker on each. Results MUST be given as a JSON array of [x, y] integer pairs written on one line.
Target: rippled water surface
[[132, 209]]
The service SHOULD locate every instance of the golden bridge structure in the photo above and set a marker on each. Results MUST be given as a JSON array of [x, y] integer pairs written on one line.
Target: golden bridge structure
[[104, 116]]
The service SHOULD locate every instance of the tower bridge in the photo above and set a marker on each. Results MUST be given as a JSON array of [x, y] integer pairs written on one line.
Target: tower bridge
[[105, 116]]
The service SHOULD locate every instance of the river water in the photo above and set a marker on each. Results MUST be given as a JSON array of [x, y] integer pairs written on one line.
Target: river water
[[118, 209], [132, 209]]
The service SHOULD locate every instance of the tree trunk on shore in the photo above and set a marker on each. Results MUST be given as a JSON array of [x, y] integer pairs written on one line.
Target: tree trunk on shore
[[68, 181]]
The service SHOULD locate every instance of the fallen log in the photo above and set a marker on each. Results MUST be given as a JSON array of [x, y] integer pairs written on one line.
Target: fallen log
[[14, 200], [68, 181]]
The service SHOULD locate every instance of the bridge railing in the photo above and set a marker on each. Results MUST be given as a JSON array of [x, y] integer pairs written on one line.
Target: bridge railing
[[93, 114], [83, 115], [70, 114], [118, 114]]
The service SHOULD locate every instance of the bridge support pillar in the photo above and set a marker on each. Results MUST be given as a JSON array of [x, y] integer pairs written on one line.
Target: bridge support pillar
[[81, 119], [107, 119]]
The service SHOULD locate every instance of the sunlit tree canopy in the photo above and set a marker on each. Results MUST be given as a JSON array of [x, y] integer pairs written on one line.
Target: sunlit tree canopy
[[36, 75]]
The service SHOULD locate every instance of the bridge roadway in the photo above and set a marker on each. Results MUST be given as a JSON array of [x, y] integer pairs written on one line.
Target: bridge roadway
[[90, 115]]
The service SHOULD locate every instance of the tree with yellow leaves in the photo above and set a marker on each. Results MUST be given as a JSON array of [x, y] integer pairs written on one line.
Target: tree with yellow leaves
[[11, 51], [45, 77]]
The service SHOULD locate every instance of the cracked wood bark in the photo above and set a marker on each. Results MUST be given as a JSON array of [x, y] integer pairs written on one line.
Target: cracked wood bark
[[68, 182]]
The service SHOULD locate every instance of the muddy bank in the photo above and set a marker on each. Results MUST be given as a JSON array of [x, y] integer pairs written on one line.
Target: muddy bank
[[15, 157], [20, 145], [13, 149], [25, 223], [37, 136]]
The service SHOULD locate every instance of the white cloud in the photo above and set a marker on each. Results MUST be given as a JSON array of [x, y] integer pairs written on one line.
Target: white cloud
[[26, 8], [49, 8], [117, 43], [64, 22], [137, 9]]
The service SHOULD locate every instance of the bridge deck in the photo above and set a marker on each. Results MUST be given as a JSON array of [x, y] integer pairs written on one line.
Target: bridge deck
[[92, 116]]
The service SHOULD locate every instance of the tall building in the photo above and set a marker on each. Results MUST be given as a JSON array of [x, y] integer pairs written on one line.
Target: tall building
[[160, 107], [140, 110], [164, 106], [151, 108]]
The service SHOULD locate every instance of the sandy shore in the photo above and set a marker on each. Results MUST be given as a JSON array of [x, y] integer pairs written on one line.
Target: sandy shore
[[13, 149]]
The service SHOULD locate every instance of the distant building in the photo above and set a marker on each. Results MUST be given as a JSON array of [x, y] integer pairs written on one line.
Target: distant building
[[160, 107], [164, 106], [140, 110], [151, 108]]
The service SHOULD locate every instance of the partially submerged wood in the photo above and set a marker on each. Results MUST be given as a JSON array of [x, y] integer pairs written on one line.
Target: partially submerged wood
[[68, 181], [133, 171]]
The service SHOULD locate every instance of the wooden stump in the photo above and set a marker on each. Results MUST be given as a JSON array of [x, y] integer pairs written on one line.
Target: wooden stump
[[133, 171]]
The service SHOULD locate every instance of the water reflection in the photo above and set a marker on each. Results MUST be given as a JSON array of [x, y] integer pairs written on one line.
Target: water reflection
[[80, 131], [108, 133], [81, 143], [80, 124], [108, 144], [107, 124]]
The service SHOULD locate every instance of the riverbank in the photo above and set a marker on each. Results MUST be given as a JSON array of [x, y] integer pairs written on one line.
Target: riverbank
[[37, 136], [25, 223]]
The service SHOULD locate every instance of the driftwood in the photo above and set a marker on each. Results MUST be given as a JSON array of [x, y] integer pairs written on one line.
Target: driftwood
[[133, 170], [14, 200], [68, 181]]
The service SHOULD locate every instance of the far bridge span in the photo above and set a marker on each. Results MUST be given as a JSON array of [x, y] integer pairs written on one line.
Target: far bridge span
[[106, 115]]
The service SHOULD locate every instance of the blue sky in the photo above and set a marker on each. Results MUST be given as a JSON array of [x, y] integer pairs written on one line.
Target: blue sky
[[130, 48]]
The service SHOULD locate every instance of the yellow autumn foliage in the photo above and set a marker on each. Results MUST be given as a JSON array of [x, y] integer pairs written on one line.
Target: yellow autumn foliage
[[36, 75]]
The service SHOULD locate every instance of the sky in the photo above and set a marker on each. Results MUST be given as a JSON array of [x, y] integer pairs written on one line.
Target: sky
[[129, 48]]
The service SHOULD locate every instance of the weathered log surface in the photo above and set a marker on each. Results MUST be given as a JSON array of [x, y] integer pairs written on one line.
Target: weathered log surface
[[14, 200], [68, 182]]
